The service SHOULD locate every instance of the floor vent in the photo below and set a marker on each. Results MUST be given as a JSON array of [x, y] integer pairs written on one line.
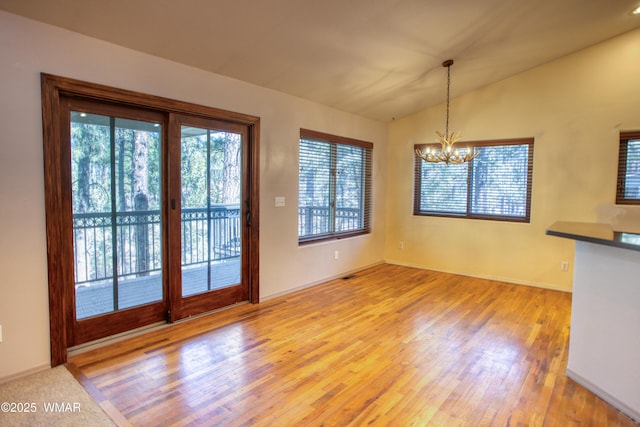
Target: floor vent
[[351, 276]]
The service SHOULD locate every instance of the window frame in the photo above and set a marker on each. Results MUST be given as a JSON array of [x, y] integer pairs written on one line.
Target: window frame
[[621, 199], [336, 141], [417, 174]]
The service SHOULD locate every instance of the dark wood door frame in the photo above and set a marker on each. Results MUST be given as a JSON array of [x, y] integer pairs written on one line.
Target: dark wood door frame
[[186, 306], [58, 199]]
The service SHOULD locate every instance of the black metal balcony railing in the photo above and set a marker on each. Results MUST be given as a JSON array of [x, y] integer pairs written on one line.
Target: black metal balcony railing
[[137, 235], [315, 220]]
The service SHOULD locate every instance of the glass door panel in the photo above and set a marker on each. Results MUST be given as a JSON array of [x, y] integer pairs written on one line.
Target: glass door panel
[[116, 197], [211, 194]]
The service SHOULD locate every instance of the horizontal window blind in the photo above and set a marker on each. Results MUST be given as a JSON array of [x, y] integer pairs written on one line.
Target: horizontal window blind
[[628, 183], [314, 201], [500, 181], [495, 185], [443, 189], [334, 187]]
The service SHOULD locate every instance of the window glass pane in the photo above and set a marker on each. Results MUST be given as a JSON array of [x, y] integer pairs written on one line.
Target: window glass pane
[[115, 166], [632, 175], [499, 181], [93, 219], [210, 214], [314, 188], [443, 187], [349, 188]]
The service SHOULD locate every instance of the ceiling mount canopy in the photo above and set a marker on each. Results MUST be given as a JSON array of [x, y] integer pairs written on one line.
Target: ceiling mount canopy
[[447, 153]]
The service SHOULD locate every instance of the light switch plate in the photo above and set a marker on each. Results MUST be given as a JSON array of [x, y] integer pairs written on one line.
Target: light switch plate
[[280, 202]]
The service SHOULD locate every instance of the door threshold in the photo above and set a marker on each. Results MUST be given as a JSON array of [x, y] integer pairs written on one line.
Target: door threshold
[[112, 339]]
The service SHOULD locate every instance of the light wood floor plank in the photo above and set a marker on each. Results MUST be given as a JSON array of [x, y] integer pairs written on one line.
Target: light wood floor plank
[[391, 345]]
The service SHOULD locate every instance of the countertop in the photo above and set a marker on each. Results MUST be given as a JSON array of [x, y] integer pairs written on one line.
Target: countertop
[[601, 234]]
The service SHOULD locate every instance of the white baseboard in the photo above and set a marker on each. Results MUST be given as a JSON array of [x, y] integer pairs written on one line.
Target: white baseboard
[[318, 282], [26, 373], [482, 276], [630, 412]]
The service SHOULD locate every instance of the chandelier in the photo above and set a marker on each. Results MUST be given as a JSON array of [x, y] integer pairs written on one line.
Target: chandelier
[[447, 153]]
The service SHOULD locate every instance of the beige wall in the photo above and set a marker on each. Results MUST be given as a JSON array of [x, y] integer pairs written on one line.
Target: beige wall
[[28, 48], [574, 108]]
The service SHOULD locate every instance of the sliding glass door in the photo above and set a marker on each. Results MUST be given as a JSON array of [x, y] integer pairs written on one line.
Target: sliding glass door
[[159, 216], [151, 209], [213, 214]]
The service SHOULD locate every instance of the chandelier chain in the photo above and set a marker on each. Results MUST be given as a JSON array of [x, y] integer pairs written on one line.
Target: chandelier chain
[[446, 130], [447, 153]]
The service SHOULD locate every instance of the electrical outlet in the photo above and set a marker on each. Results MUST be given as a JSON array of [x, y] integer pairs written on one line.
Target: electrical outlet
[[0, 333], [564, 266], [401, 245], [280, 201], [336, 255]]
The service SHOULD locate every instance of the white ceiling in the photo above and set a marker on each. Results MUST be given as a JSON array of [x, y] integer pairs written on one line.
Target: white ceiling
[[375, 58]]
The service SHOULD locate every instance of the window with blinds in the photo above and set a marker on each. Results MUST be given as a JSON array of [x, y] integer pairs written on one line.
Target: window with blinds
[[334, 191], [628, 188], [495, 185]]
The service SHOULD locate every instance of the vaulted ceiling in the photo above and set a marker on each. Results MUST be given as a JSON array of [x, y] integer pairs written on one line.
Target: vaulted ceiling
[[375, 58]]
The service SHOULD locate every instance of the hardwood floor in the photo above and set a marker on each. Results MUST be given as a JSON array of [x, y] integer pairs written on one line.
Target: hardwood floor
[[390, 345]]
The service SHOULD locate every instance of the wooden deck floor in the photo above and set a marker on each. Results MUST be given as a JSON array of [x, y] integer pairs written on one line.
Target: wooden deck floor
[[389, 346], [98, 298]]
